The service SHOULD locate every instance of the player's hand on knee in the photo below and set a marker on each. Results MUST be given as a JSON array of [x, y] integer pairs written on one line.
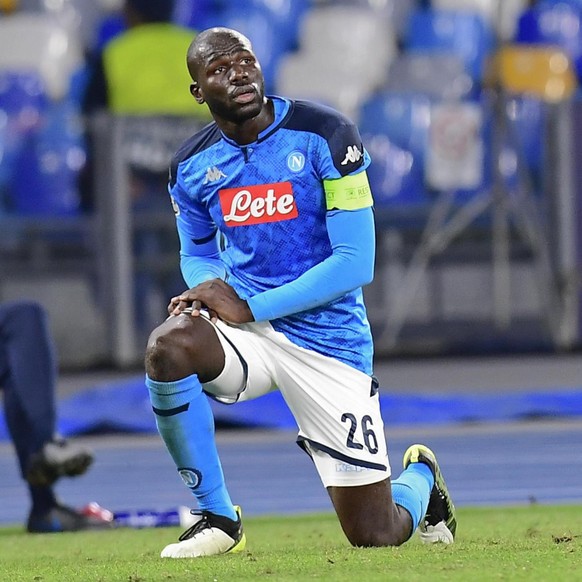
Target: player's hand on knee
[[181, 304], [218, 297]]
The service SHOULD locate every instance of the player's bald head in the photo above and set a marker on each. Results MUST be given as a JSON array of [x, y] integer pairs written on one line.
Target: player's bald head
[[213, 43]]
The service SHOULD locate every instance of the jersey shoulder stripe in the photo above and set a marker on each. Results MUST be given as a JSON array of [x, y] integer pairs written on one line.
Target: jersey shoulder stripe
[[200, 141], [337, 130], [315, 118]]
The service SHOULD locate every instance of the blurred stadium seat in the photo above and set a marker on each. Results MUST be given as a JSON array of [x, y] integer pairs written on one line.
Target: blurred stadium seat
[[43, 148], [78, 17], [502, 15], [270, 34], [437, 75], [557, 24], [396, 11], [21, 93], [111, 25], [47, 166], [486, 8], [463, 33], [32, 42], [23, 101], [404, 116], [345, 53], [439, 145], [286, 17], [527, 118], [271, 25], [429, 192], [197, 14], [530, 76], [575, 3], [541, 71], [395, 129]]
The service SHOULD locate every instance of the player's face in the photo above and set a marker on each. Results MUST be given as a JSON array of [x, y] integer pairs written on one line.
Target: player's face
[[229, 78]]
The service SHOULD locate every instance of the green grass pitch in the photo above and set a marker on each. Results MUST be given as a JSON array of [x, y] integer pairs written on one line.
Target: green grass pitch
[[533, 543]]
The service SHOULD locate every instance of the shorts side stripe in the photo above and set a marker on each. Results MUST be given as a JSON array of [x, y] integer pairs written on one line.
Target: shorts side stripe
[[243, 363], [301, 441]]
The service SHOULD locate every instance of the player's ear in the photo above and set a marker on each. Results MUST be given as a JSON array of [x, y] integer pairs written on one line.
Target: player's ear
[[196, 93]]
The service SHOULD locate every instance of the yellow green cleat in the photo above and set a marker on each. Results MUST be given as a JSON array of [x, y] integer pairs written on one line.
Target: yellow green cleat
[[440, 523]]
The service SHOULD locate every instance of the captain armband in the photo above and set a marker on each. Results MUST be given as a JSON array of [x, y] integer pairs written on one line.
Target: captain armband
[[348, 193]]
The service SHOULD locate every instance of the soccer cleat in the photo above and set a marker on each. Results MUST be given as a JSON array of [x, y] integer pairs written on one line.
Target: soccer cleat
[[211, 535], [439, 524], [61, 518], [57, 459]]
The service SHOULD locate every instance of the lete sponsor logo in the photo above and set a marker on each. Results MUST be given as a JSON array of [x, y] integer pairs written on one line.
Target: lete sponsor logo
[[258, 204]]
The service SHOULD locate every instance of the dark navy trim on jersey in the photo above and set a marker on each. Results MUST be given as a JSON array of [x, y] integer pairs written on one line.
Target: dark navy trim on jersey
[[281, 123], [301, 115], [315, 118], [206, 239], [337, 455], [200, 141]]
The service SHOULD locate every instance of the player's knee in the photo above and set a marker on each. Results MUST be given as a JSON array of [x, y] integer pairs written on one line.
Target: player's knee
[[169, 350], [182, 346], [367, 537], [379, 528]]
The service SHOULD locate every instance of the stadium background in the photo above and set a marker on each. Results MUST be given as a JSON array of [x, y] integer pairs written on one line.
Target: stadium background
[[470, 110]]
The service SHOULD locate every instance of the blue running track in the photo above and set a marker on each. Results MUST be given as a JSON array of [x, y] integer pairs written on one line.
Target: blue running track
[[484, 464]]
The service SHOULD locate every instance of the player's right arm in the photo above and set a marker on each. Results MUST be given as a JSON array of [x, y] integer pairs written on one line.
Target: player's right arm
[[199, 251]]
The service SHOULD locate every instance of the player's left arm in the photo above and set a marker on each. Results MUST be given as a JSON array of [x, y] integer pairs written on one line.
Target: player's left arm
[[350, 225]]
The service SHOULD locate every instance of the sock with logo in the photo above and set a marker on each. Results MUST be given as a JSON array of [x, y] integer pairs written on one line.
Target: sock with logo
[[186, 424], [412, 491]]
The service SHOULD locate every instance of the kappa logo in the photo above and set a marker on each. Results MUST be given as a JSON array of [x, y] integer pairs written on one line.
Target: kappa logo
[[213, 174], [352, 155], [258, 204]]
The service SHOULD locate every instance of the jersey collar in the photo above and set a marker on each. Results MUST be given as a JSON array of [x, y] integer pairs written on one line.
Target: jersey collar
[[281, 108]]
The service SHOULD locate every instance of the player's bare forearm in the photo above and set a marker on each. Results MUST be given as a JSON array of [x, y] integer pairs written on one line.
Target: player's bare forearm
[[218, 297]]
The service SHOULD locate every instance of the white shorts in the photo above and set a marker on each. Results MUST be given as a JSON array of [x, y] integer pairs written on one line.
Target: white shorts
[[336, 407]]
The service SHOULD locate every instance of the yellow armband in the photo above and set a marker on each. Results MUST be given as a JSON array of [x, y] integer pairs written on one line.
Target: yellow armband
[[348, 193]]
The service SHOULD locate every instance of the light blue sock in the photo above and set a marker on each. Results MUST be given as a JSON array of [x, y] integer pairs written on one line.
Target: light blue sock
[[186, 425], [412, 490]]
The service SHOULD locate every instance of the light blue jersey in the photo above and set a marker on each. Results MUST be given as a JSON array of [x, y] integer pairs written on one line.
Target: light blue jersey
[[258, 216]]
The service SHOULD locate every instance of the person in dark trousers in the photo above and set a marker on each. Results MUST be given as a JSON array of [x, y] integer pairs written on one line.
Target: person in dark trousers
[[274, 215], [28, 374]]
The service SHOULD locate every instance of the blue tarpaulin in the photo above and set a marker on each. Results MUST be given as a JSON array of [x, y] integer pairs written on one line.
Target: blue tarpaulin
[[125, 407]]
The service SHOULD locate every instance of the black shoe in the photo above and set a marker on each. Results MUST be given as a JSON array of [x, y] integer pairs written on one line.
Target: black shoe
[[440, 523], [63, 519], [57, 459]]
